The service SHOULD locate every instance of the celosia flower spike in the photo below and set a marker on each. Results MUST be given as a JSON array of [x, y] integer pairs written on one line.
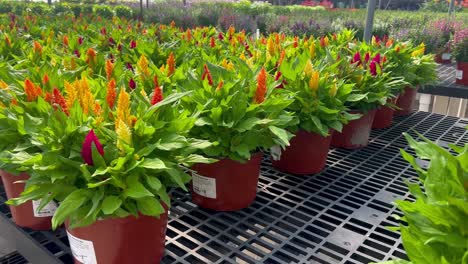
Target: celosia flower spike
[[87, 149], [109, 69], [157, 95], [111, 93], [58, 99], [261, 90], [207, 75], [170, 64]]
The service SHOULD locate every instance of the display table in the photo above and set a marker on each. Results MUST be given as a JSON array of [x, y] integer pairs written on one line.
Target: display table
[[337, 216]]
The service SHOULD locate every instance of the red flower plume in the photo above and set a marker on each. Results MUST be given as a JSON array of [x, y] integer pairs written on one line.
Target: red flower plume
[[87, 149], [207, 75]]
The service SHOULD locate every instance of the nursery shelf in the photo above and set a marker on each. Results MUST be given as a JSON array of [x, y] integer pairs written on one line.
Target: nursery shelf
[[337, 216], [446, 85]]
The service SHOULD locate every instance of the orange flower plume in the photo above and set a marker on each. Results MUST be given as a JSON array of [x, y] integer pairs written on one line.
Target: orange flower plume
[[91, 59], [157, 95], [170, 64], [37, 47], [32, 91], [261, 87], [109, 69], [212, 42], [65, 40], [220, 85], [111, 93], [59, 100]]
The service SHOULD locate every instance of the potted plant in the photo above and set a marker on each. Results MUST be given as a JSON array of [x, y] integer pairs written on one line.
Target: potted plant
[[319, 107], [461, 56], [241, 114], [398, 63], [423, 71], [433, 225], [373, 87], [13, 136], [109, 160]]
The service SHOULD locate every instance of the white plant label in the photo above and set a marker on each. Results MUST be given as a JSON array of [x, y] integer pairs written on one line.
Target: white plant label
[[48, 210], [459, 74], [204, 186], [446, 56], [275, 152], [82, 250]]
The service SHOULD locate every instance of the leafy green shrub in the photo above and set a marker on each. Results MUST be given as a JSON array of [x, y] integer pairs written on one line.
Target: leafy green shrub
[[40, 9], [103, 11], [123, 11], [87, 9], [435, 224], [5, 7], [62, 8], [76, 9], [18, 8]]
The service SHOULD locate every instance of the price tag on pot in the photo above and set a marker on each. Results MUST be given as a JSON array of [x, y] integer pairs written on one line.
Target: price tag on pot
[[459, 74], [275, 152], [204, 186], [47, 211], [446, 56], [82, 250]]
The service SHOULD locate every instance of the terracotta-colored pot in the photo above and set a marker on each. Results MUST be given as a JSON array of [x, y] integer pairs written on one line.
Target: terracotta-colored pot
[[443, 57], [462, 73], [24, 214], [306, 154], [120, 240], [226, 185], [406, 100], [384, 115], [356, 133]]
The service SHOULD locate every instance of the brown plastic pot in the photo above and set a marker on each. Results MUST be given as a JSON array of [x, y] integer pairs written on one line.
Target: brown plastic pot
[[23, 215], [306, 154], [462, 73], [120, 240], [226, 185], [356, 133], [384, 115], [406, 100]]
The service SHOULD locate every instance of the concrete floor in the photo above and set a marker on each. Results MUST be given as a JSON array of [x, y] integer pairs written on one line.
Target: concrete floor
[[6, 247]]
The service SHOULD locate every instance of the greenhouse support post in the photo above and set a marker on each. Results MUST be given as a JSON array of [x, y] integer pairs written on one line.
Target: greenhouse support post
[[451, 7], [369, 20]]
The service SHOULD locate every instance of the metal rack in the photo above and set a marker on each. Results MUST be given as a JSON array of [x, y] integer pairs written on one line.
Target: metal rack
[[337, 216], [446, 85]]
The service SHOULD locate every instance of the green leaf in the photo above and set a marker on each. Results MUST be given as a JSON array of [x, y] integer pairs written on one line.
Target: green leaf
[[247, 124], [178, 177], [98, 160], [281, 134], [356, 97], [150, 206], [111, 204], [153, 182], [153, 164], [73, 201], [135, 188]]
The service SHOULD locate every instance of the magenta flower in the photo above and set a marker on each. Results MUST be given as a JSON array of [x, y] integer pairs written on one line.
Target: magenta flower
[[377, 58], [356, 59], [103, 31], [87, 149], [373, 68], [119, 47], [220, 36], [133, 44], [132, 84], [111, 42], [77, 53], [80, 40], [129, 66], [367, 57]]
